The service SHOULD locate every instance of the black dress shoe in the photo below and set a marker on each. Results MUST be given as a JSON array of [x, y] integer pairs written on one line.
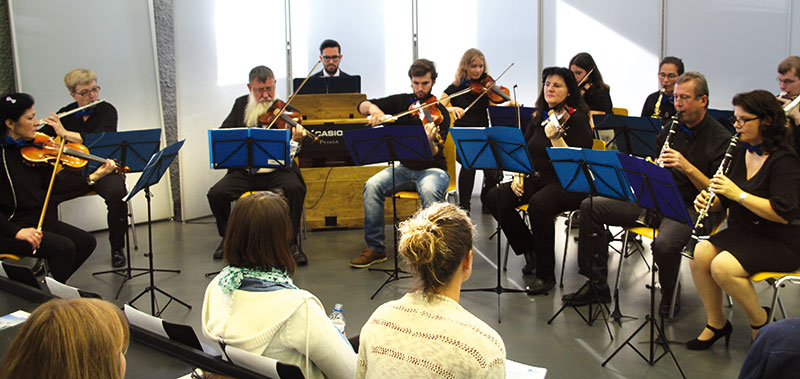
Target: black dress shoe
[[218, 251], [590, 293], [299, 257], [540, 286], [118, 258]]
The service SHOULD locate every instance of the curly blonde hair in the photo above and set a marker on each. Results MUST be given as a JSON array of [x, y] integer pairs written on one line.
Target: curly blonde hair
[[434, 242]]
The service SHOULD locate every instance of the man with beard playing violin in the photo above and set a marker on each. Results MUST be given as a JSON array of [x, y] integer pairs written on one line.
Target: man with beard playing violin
[[428, 177], [245, 113]]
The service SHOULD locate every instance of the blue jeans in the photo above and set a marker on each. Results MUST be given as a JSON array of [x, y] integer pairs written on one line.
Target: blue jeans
[[431, 185]]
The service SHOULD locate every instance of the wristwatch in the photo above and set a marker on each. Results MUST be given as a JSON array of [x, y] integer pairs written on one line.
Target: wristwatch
[[742, 196], [89, 181]]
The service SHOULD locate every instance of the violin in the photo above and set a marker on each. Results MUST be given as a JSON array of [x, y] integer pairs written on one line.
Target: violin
[[496, 94], [44, 149], [429, 114], [287, 119], [559, 120]]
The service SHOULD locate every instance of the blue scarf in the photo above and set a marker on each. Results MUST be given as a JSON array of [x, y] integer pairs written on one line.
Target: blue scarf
[[8, 141], [230, 278]]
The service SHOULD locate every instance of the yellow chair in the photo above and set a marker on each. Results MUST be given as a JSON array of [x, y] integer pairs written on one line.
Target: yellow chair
[[450, 156], [619, 111], [776, 280]]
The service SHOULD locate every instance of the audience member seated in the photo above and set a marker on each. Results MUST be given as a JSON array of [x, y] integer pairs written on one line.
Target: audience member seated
[[253, 303], [426, 333], [775, 353], [69, 338], [761, 191]]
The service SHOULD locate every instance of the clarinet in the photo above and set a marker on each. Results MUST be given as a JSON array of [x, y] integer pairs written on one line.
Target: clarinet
[[721, 170], [673, 129]]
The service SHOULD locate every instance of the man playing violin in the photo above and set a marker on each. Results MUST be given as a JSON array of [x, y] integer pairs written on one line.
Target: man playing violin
[[668, 72], [247, 110], [23, 189], [330, 53], [696, 150], [82, 86], [789, 82], [428, 177]]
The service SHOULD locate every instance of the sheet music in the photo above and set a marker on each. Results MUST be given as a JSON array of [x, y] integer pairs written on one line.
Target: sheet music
[[145, 321], [61, 290], [255, 362]]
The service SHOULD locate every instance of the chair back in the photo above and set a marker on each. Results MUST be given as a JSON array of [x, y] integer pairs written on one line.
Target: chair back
[[450, 155], [619, 111], [598, 144]]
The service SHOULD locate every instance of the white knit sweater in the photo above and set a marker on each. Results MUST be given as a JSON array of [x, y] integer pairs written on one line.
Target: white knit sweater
[[428, 337], [286, 325]]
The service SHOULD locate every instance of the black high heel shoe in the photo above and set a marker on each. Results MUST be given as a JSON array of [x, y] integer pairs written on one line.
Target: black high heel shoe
[[697, 344]]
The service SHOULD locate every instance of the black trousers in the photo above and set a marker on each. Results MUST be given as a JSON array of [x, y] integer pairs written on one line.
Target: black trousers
[[237, 182], [466, 181], [545, 199], [112, 189], [593, 240], [64, 246]]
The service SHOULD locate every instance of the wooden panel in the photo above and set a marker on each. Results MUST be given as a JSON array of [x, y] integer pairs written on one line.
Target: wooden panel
[[329, 106], [339, 203]]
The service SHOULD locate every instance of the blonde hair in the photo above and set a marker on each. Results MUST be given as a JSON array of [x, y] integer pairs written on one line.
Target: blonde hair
[[466, 60], [434, 242], [78, 76], [69, 338]]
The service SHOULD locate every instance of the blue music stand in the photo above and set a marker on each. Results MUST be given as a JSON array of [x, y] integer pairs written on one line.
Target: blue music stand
[[389, 144], [152, 174], [638, 133], [654, 188], [595, 173], [493, 148], [131, 149], [249, 148]]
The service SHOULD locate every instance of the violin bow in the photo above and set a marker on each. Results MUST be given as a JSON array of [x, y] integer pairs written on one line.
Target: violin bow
[[585, 77], [488, 88], [56, 167], [296, 91], [401, 114], [519, 118]]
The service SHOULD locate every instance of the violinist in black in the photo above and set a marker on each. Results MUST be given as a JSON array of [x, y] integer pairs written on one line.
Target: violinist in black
[[23, 189], [542, 191], [246, 111], [596, 93], [471, 68]]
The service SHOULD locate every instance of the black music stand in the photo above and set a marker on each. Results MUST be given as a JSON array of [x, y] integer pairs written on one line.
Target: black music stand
[[595, 173], [723, 117], [497, 149], [654, 188], [389, 144], [152, 174], [132, 149], [250, 149], [633, 135], [507, 116]]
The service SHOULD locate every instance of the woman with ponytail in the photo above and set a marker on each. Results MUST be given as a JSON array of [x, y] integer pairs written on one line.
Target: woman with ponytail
[[427, 333]]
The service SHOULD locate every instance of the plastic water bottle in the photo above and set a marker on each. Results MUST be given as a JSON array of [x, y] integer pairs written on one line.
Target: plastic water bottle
[[337, 317]]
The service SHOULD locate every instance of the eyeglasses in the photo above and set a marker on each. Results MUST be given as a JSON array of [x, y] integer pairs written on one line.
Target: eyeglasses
[[740, 121], [262, 90], [331, 57], [786, 82], [663, 75], [84, 93]]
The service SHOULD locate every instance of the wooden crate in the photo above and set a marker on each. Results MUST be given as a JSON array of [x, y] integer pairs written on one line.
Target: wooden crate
[[340, 202]]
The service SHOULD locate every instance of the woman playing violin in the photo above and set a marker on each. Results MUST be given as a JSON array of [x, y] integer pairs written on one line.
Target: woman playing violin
[[23, 189], [595, 92], [472, 72], [542, 192]]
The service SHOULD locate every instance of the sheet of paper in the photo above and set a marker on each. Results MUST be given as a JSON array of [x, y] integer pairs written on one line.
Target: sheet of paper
[[13, 319], [521, 370], [62, 290], [145, 321]]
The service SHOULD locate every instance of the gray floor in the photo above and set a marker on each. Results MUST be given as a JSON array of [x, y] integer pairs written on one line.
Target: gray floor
[[568, 348]]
